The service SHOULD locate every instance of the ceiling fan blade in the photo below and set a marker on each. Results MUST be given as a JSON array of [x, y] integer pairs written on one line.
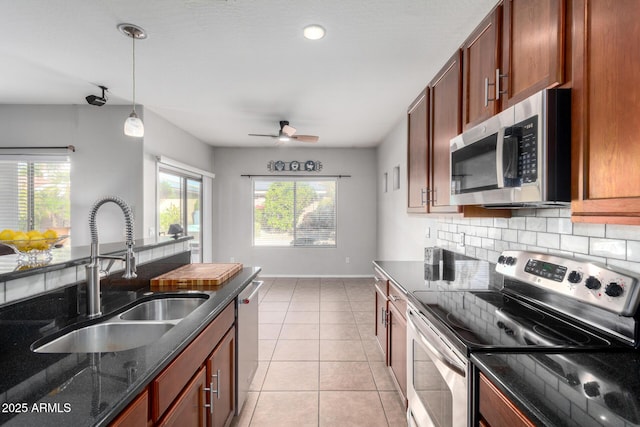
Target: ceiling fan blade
[[306, 138], [261, 134], [288, 130]]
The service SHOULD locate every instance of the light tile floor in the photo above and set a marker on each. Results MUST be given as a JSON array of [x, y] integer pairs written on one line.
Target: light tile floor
[[319, 362]]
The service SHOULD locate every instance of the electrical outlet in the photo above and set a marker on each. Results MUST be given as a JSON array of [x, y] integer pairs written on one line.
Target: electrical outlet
[[347, 260], [461, 239]]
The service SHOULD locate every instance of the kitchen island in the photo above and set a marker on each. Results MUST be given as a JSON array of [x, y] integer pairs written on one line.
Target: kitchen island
[[93, 388]]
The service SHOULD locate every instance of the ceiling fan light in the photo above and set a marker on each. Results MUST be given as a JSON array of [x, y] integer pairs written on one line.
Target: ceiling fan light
[[133, 126], [313, 32]]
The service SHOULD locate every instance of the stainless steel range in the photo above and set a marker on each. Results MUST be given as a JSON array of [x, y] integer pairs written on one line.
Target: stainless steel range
[[532, 303]]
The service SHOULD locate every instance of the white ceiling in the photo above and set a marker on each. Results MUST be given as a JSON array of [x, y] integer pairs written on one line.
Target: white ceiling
[[222, 69]]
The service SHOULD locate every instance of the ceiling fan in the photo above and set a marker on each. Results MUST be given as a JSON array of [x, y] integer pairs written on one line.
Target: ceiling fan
[[287, 133]]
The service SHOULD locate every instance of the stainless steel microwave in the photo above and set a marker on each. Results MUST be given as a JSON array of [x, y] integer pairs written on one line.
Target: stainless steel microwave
[[520, 157]]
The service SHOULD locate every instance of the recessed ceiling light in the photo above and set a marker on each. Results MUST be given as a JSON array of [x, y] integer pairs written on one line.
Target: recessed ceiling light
[[313, 32]]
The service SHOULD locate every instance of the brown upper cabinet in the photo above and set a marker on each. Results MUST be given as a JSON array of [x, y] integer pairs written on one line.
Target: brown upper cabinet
[[445, 123], [481, 59], [516, 51], [606, 124], [418, 153], [533, 48]]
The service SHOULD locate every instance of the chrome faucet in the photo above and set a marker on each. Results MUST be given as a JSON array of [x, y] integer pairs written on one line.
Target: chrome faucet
[[93, 268]]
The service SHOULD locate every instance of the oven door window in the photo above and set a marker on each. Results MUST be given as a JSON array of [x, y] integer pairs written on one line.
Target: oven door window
[[431, 388], [473, 167]]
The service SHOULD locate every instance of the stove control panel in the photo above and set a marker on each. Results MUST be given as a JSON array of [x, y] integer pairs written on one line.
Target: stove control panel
[[613, 289]]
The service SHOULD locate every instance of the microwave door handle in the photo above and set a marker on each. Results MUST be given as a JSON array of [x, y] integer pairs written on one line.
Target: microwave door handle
[[432, 348], [499, 159]]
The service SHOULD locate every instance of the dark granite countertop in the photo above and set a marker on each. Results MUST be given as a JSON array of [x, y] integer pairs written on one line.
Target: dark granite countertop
[[569, 389], [548, 387], [84, 389]]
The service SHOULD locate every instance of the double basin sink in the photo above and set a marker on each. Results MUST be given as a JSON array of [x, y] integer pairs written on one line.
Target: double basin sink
[[138, 326]]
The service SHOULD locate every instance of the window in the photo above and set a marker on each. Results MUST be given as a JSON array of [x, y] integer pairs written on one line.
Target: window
[[179, 202], [35, 193], [294, 212]]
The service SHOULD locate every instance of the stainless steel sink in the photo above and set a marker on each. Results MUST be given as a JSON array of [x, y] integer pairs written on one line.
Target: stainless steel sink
[[107, 337], [164, 308]]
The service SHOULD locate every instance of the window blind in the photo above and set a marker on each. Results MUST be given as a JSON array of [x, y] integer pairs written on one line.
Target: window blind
[[294, 212], [35, 192]]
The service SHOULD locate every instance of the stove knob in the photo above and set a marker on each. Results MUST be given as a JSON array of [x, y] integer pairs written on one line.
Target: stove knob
[[509, 331], [572, 379], [510, 260], [592, 283], [613, 289], [592, 389], [574, 277], [501, 259], [500, 324]]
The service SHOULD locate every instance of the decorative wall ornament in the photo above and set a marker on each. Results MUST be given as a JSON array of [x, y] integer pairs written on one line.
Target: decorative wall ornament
[[294, 166]]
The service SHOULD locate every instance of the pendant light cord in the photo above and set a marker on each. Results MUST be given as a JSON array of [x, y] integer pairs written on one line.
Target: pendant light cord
[[133, 38]]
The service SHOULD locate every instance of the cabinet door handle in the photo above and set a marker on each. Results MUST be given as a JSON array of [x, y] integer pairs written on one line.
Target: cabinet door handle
[[382, 316], [498, 77], [210, 390], [486, 91], [423, 193], [217, 390]]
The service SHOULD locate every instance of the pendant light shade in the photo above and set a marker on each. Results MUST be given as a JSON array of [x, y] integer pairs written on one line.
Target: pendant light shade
[[133, 126]]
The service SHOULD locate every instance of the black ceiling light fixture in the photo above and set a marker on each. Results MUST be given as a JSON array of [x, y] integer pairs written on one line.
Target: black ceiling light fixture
[[98, 100]]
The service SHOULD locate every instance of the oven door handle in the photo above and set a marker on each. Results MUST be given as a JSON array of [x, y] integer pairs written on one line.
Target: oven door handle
[[438, 353]]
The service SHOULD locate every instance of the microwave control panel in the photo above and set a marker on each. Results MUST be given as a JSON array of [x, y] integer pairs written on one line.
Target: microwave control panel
[[524, 138]]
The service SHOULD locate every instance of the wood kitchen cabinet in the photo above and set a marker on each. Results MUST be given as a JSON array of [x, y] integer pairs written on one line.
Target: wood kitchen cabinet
[[516, 51], [397, 330], [183, 389], [445, 123], [136, 414], [496, 409], [391, 329], [533, 48], [189, 408], [606, 123], [481, 59], [220, 372], [380, 332], [418, 154]]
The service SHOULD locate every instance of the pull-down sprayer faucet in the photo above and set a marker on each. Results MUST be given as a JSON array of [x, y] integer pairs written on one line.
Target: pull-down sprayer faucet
[[93, 268]]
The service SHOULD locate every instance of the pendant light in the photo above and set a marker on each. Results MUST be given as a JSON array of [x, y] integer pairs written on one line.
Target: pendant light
[[133, 126]]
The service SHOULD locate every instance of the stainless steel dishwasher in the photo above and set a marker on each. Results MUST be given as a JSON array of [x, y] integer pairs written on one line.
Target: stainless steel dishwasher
[[247, 338]]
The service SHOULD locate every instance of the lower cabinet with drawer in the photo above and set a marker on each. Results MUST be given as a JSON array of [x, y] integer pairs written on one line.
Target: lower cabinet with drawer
[[391, 328], [197, 387]]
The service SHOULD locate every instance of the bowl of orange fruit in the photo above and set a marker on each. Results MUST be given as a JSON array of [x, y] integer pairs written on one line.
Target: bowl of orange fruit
[[32, 246]]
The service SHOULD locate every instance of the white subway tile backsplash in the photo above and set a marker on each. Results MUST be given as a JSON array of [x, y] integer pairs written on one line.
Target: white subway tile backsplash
[[501, 222], [510, 235], [633, 250], [559, 225], [59, 278], [536, 224], [548, 240], [24, 287], [572, 243], [628, 232], [518, 223], [543, 230], [587, 229], [608, 248], [527, 237]]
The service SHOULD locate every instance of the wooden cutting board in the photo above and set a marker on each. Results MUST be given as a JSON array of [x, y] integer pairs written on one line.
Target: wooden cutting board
[[196, 275]]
